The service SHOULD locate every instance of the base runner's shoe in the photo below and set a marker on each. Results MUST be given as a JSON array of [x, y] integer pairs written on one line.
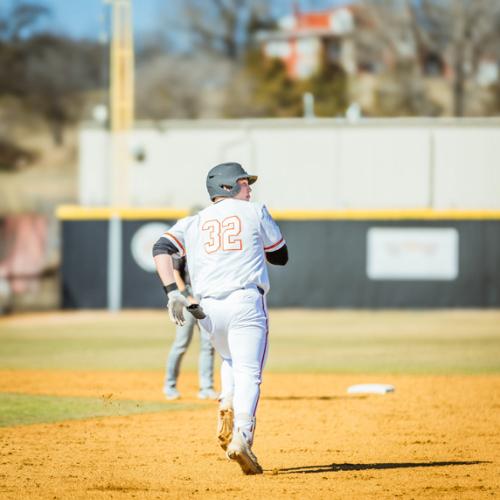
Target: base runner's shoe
[[240, 451], [225, 426]]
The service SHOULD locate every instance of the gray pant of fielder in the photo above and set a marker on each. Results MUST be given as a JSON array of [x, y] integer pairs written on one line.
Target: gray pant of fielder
[[183, 337]]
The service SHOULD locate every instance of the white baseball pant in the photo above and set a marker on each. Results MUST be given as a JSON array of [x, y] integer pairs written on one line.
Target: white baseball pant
[[238, 328]]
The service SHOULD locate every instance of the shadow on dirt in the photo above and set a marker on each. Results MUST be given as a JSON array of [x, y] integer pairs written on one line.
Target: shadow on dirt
[[314, 469], [310, 398]]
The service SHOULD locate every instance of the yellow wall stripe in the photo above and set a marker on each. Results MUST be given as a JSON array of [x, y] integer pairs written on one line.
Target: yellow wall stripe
[[71, 212], [395, 214]]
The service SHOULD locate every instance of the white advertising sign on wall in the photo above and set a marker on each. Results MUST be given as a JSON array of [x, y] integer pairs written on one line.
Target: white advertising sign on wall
[[412, 253]]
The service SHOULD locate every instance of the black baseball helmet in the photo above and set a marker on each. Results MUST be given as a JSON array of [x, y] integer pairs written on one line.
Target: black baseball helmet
[[222, 180]]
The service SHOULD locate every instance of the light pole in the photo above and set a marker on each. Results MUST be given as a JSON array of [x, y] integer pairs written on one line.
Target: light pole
[[121, 121]]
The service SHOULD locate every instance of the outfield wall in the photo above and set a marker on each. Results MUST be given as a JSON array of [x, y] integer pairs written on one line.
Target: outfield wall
[[348, 259], [318, 164]]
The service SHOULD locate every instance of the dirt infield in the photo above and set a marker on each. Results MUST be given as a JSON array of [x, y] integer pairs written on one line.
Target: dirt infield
[[436, 436]]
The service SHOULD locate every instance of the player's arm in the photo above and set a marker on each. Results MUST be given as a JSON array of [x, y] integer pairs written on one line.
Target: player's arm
[[179, 281], [179, 270], [163, 250], [274, 242], [278, 257], [179, 265]]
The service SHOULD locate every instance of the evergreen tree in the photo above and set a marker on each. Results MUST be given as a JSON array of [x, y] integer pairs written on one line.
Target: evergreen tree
[[329, 86]]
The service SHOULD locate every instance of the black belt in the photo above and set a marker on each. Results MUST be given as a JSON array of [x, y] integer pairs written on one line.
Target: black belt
[[259, 289]]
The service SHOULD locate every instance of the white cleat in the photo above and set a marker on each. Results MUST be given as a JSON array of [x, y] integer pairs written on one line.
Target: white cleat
[[240, 451], [172, 394], [225, 426]]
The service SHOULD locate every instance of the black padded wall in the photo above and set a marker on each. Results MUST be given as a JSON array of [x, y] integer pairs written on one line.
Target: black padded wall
[[327, 267]]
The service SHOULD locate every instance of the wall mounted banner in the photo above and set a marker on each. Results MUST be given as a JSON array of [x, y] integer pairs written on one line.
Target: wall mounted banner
[[412, 253]]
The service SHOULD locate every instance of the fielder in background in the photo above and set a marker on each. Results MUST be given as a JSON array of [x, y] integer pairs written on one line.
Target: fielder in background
[[183, 337], [227, 245]]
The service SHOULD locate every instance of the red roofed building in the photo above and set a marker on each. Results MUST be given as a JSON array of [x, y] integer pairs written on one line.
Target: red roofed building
[[305, 38]]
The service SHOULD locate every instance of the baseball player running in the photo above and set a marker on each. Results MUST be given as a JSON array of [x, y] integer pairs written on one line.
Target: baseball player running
[[227, 245]]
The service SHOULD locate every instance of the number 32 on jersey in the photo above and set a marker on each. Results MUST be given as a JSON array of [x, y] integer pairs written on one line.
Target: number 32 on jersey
[[222, 235]]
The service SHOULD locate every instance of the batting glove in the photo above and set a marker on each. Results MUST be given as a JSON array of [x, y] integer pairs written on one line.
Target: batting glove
[[197, 311], [176, 304]]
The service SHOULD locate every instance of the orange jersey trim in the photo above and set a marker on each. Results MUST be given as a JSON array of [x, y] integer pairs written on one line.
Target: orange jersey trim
[[266, 249], [179, 244]]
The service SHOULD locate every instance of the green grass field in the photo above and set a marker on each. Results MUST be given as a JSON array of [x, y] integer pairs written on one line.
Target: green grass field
[[430, 342], [397, 342], [23, 409]]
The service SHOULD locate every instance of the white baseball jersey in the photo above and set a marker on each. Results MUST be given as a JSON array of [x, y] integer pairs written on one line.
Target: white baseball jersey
[[226, 244]]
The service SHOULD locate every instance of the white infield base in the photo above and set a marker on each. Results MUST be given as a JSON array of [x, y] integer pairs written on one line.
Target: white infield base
[[370, 389]]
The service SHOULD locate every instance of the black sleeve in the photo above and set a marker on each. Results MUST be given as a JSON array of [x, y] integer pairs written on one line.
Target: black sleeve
[[279, 257], [163, 246], [179, 264]]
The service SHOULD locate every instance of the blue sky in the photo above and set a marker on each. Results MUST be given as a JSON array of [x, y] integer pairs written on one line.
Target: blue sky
[[84, 18]]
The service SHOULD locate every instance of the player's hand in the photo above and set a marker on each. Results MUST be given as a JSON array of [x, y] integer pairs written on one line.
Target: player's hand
[[176, 304]]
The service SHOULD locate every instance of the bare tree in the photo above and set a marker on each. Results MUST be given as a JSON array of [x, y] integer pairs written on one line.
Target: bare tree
[[197, 49], [57, 74], [22, 17], [48, 73], [174, 86], [387, 44], [224, 27], [464, 32], [458, 32]]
